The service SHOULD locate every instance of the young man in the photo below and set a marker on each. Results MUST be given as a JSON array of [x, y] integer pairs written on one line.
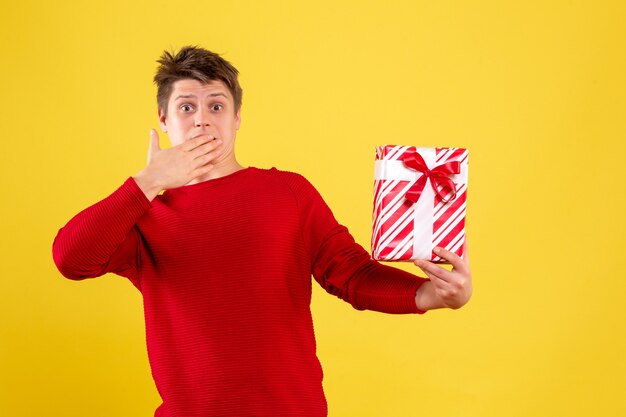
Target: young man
[[224, 257]]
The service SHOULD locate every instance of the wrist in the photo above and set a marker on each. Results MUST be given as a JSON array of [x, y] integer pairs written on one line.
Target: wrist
[[425, 297], [146, 183]]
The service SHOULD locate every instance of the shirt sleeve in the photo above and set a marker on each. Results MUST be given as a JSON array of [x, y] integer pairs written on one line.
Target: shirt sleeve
[[343, 268], [103, 237]]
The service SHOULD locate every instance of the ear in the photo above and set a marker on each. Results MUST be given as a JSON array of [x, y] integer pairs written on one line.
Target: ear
[[162, 120], [238, 118]]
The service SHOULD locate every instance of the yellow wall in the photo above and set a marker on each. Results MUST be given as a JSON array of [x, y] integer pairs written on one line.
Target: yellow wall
[[536, 91]]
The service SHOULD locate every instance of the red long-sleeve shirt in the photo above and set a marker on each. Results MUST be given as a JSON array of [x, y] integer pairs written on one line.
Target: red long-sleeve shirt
[[224, 267]]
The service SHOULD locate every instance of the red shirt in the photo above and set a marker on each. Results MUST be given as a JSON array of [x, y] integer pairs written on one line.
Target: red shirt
[[224, 267]]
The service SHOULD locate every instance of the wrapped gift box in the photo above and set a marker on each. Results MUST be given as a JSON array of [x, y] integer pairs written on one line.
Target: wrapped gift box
[[419, 202]]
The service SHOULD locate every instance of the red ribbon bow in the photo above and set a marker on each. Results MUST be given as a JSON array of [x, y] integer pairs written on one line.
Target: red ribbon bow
[[438, 177]]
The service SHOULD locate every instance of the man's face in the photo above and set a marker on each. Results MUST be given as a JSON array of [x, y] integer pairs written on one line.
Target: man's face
[[195, 109]]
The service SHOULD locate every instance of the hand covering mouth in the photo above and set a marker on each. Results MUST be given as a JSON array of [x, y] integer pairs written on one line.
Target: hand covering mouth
[[203, 134]]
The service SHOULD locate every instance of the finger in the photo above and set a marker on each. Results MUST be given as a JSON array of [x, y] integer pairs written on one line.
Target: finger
[[438, 283], [198, 172], [205, 148], [205, 159], [194, 143], [441, 285], [432, 270], [154, 147], [455, 260]]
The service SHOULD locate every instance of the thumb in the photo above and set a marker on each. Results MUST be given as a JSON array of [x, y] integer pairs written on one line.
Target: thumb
[[154, 144]]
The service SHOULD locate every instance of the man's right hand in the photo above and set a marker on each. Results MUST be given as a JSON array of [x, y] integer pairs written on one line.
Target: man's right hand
[[176, 166]]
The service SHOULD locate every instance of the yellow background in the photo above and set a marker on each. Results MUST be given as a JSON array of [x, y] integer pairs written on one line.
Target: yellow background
[[536, 90]]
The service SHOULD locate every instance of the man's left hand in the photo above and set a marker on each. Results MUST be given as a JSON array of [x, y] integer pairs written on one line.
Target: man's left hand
[[446, 289]]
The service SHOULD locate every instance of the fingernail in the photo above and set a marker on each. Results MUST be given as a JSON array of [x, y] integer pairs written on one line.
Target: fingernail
[[436, 249]]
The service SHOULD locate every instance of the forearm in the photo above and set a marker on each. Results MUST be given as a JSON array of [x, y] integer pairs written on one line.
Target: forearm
[[343, 267], [84, 246], [346, 270], [385, 289]]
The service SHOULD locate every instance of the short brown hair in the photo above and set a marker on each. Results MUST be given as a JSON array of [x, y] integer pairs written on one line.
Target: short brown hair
[[193, 62]]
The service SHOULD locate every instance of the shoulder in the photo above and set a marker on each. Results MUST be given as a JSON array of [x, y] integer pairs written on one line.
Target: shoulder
[[296, 185], [296, 182]]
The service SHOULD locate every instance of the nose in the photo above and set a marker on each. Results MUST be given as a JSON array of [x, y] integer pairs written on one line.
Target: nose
[[202, 118]]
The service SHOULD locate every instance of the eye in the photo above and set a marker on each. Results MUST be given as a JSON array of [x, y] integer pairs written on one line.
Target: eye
[[186, 108], [217, 107]]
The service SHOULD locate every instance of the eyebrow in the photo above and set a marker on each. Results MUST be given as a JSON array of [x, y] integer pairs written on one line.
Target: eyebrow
[[194, 96]]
